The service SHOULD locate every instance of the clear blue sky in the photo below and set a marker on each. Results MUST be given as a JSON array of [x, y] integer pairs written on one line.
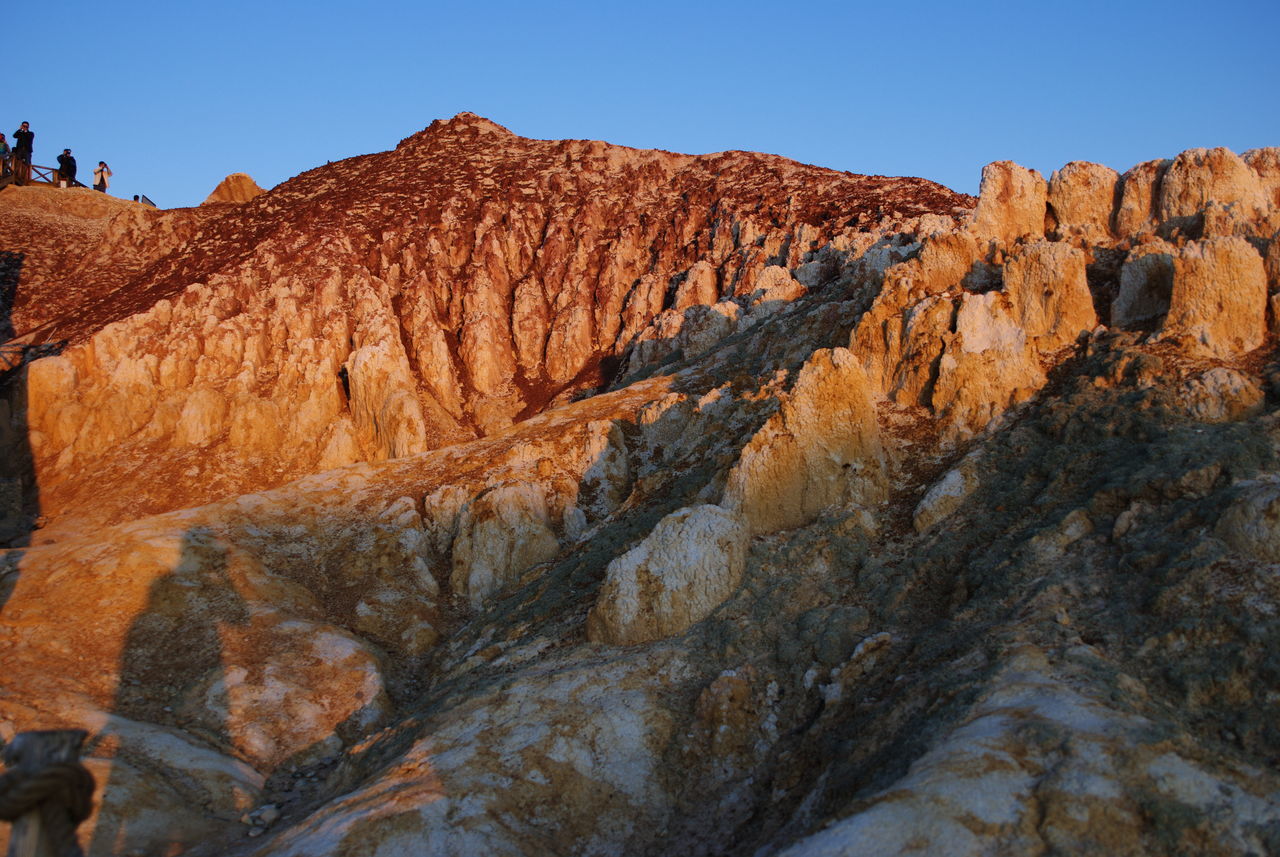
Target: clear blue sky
[[177, 95]]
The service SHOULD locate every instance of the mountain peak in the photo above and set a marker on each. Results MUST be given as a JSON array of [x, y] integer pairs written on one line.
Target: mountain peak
[[463, 123]]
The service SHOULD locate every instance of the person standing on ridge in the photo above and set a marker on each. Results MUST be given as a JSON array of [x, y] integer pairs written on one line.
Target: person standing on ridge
[[67, 167], [101, 173], [6, 157], [24, 140]]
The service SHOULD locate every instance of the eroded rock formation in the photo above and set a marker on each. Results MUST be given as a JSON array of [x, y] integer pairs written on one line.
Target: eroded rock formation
[[390, 304], [237, 187], [660, 504]]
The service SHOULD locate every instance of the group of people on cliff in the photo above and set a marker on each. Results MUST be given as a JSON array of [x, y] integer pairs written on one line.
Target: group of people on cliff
[[16, 161]]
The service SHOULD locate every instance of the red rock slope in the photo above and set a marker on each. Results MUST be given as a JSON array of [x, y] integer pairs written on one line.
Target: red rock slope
[[395, 302]]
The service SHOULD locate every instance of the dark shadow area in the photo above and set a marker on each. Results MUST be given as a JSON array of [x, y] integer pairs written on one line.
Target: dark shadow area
[[10, 271], [172, 675], [19, 494]]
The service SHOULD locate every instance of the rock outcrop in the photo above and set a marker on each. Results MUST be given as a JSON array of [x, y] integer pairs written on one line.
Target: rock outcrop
[[552, 497], [407, 300], [684, 569], [237, 187]]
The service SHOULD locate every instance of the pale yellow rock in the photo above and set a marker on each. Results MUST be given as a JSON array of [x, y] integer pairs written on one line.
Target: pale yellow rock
[[587, 732], [1139, 208], [698, 287], [383, 403], [289, 701], [1082, 198], [606, 475], [188, 628], [928, 325], [1219, 297], [1266, 163], [948, 494], [256, 424], [237, 187], [987, 368], [50, 378], [569, 345], [775, 283], [1011, 203], [692, 331], [1224, 220], [821, 447], [1146, 283], [942, 263], [203, 418], [897, 340], [1049, 293], [1200, 176], [1221, 394], [341, 447], [685, 568], [500, 534]]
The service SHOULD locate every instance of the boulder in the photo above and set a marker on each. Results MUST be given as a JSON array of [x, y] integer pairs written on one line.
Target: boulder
[[1251, 524], [697, 288], [821, 447], [504, 531], [1011, 203], [987, 367], [287, 689], [1219, 297], [1266, 163], [1049, 293], [1200, 176], [1146, 282], [948, 494], [1082, 199], [690, 563], [203, 418], [1139, 208], [1221, 394]]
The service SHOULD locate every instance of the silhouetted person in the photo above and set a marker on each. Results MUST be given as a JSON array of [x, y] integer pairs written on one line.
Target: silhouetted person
[[24, 143], [6, 157], [101, 175], [135, 198], [67, 167]]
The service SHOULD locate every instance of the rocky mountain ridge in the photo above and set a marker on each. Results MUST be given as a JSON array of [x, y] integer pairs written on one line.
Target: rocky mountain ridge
[[397, 302], [872, 522]]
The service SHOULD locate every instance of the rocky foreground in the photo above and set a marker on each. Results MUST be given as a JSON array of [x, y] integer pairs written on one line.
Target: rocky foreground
[[502, 496]]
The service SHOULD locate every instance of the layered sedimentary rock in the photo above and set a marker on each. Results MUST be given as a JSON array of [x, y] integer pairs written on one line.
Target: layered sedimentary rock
[[776, 511]]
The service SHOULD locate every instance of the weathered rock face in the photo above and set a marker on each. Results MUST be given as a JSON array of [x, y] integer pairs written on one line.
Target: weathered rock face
[[822, 447], [1082, 200], [237, 187], [1011, 202], [684, 569], [1219, 296], [1200, 176], [398, 302], [876, 539]]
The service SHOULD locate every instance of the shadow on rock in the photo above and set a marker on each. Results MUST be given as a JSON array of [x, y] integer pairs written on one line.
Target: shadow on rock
[[19, 497], [172, 674]]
